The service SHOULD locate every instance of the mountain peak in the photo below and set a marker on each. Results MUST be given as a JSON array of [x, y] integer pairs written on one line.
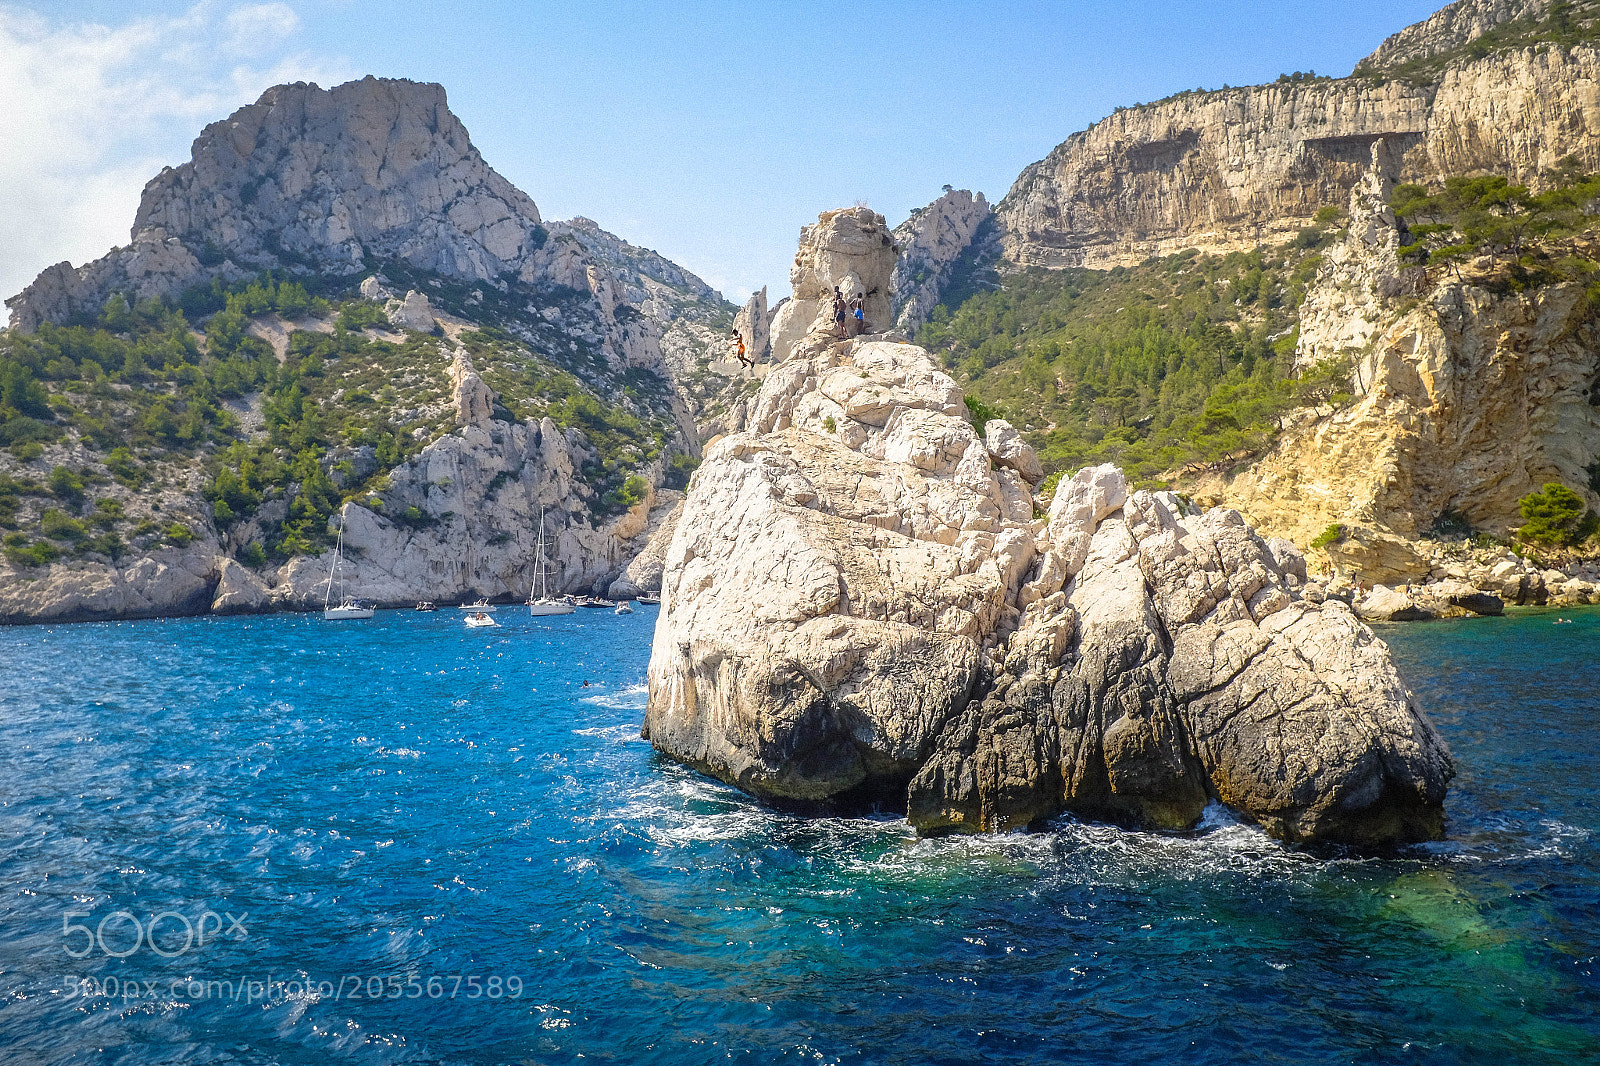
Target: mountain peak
[[311, 180]]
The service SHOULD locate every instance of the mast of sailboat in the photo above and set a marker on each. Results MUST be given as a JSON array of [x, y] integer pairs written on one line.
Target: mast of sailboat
[[338, 554], [540, 570]]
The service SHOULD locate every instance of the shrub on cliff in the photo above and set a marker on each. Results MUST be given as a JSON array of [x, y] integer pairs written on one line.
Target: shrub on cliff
[[1556, 516]]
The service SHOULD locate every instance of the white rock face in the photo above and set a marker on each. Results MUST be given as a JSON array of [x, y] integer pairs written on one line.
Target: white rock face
[[414, 312], [849, 249], [1233, 169], [858, 607], [754, 324], [1008, 449], [479, 493], [375, 289], [1451, 27], [1465, 398], [370, 168], [166, 583], [931, 241]]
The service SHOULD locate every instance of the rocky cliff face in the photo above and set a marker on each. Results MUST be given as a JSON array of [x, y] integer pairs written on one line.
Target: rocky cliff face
[[1468, 397], [307, 177], [1229, 170], [859, 606], [459, 521], [932, 241]]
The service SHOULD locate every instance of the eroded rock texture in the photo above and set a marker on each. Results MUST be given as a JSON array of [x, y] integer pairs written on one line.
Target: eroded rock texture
[[860, 605], [1178, 664]]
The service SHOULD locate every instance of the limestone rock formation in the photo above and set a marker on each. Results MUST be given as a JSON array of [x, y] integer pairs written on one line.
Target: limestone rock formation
[[932, 242], [1467, 400], [414, 312], [373, 168], [167, 583], [647, 570], [827, 593], [859, 606], [754, 324], [317, 184], [1232, 169], [849, 249]]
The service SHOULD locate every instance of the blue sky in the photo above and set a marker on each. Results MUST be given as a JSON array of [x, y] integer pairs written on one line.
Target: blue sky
[[710, 132]]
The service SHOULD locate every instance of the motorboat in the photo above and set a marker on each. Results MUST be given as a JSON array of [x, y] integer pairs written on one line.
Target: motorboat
[[594, 602], [482, 607], [623, 608], [650, 598], [348, 608], [426, 605], [480, 620]]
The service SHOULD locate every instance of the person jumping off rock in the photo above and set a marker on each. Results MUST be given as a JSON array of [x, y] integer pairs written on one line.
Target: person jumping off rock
[[744, 360]]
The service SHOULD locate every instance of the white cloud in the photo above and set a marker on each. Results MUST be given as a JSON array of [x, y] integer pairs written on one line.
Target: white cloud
[[258, 28], [89, 113]]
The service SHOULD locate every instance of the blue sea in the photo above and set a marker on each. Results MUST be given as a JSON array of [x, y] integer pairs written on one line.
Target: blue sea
[[282, 840]]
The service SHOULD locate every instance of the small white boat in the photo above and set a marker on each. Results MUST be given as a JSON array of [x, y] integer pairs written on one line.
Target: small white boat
[[623, 608], [482, 607], [480, 621], [347, 608], [648, 597]]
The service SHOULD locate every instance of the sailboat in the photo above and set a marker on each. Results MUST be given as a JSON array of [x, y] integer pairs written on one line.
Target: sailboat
[[347, 608], [540, 602]]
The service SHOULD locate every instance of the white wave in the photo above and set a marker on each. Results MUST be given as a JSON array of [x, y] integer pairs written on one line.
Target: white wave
[[628, 698], [614, 733]]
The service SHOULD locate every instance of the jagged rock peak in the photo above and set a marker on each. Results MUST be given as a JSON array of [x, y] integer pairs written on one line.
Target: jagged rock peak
[[311, 178], [754, 324], [1452, 26], [932, 240], [850, 249]]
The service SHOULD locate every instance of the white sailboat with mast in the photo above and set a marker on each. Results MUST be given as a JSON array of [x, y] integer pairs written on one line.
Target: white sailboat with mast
[[348, 608], [540, 602]]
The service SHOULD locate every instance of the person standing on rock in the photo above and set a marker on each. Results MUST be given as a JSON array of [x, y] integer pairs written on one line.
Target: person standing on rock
[[838, 312], [855, 310]]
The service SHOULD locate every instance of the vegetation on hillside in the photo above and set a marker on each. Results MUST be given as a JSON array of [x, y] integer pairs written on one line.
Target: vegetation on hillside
[[1179, 361], [152, 394], [1563, 26], [1518, 230], [1556, 516]]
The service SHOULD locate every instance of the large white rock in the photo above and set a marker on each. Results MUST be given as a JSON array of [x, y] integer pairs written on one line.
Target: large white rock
[[856, 611]]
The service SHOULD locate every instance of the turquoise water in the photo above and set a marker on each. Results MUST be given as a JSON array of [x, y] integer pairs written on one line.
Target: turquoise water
[[447, 825]]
